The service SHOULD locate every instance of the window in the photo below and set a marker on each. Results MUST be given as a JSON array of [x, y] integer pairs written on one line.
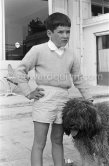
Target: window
[[99, 7], [103, 59], [18, 15], [105, 42]]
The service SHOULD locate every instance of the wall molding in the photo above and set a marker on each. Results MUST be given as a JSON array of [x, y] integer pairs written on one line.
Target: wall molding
[[96, 20]]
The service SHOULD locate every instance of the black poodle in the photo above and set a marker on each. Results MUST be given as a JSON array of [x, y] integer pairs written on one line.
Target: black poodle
[[88, 124]]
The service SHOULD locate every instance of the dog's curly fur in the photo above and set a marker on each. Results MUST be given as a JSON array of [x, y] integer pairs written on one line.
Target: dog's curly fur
[[91, 121]]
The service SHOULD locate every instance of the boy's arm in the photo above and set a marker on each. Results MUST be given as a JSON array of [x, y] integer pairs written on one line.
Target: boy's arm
[[27, 64], [79, 81]]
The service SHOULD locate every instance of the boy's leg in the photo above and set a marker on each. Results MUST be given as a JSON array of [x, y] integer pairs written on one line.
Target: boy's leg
[[40, 136], [57, 144]]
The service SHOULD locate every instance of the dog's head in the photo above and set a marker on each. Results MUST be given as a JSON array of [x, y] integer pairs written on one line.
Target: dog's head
[[80, 119]]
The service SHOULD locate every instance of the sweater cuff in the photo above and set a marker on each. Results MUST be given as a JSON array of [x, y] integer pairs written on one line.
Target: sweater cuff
[[25, 88]]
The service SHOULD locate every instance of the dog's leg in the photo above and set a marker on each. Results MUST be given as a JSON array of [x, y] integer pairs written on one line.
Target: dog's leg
[[98, 161], [88, 160]]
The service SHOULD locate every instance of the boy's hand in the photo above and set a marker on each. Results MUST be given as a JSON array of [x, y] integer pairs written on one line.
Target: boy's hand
[[36, 94]]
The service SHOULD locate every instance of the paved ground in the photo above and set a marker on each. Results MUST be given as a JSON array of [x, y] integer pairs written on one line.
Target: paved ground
[[16, 131], [16, 138]]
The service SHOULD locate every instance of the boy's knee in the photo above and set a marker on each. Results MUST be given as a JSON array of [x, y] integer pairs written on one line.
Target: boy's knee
[[57, 139], [39, 146]]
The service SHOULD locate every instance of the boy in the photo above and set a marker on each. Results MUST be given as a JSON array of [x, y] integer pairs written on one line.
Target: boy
[[55, 66]]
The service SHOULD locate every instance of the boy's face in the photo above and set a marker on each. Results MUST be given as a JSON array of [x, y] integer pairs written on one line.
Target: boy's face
[[60, 36]]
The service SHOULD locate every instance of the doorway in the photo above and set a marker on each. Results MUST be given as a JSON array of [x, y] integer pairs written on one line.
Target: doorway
[[103, 60]]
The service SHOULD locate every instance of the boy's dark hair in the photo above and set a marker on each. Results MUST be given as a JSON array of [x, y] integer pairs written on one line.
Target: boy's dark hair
[[57, 19]]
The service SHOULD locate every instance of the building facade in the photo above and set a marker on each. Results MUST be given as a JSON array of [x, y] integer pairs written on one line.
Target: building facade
[[89, 34]]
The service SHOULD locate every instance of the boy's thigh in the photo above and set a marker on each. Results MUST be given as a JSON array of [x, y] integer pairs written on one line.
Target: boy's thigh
[[57, 132], [40, 132]]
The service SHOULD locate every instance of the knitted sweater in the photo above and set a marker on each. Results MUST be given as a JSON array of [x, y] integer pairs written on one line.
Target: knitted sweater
[[51, 69]]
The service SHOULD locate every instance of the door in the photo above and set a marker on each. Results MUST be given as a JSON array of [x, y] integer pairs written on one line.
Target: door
[[103, 60]]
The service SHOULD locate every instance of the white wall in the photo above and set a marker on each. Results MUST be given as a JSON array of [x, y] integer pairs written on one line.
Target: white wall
[[91, 28], [1, 30], [73, 11], [59, 6], [86, 9]]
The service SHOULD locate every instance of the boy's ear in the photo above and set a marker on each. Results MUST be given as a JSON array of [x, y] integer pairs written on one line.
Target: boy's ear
[[49, 32]]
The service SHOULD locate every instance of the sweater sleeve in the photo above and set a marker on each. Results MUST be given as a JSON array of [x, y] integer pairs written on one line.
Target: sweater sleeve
[[79, 81], [27, 64]]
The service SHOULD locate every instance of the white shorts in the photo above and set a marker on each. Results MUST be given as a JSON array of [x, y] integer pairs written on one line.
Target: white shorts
[[48, 109]]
